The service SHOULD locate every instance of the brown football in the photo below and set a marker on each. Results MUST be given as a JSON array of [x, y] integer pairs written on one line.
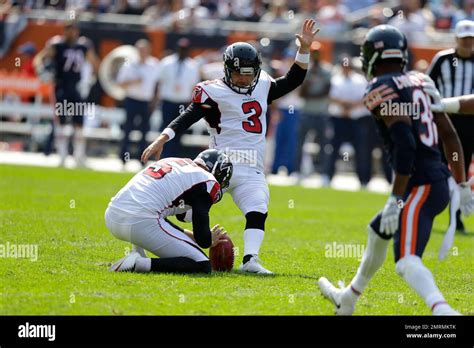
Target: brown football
[[222, 255]]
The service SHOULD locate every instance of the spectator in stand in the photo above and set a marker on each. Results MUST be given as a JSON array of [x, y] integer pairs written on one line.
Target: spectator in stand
[[184, 18], [446, 14], [314, 116], [134, 7], [277, 14], [307, 9], [413, 20], [155, 14], [234, 12], [27, 53], [212, 7], [332, 16], [352, 5], [256, 13], [468, 10]]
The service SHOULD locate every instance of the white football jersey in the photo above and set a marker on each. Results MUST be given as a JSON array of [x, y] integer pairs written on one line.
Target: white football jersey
[[241, 124], [155, 191]]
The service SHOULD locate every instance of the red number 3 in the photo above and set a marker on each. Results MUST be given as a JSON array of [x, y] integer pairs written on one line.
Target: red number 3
[[253, 123]]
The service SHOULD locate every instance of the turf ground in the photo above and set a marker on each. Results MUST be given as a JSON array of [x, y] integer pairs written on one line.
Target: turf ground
[[61, 211]]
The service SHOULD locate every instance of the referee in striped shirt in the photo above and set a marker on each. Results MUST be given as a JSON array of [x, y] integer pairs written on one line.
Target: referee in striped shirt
[[452, 71]]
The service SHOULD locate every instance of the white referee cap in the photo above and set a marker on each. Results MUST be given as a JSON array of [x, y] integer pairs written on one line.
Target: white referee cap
[[464, 28]]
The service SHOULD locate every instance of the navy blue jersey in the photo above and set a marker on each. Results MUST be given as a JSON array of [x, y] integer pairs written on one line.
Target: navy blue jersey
[[68, 61], [401, 94]]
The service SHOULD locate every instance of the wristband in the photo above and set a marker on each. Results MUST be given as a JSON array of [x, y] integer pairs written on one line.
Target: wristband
[[169, 132], [451, 105], [302, 58]]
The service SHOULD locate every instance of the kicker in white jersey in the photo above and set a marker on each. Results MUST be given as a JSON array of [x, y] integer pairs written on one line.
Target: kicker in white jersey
[[240, 126]]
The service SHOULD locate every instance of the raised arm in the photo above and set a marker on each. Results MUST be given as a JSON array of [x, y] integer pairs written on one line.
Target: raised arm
[[295, 76]]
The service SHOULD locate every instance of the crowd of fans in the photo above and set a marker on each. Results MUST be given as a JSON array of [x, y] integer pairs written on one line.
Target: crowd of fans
[[412, 16]]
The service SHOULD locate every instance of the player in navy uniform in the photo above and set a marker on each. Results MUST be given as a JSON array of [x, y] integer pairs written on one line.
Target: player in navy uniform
[[66, 55], [420, 187]]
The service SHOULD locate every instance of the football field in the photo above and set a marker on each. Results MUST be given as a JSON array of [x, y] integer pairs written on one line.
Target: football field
[[310, 233]]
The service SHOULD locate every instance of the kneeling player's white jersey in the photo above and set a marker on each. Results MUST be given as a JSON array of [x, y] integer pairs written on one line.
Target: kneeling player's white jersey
[[155, 191], [240, 124]]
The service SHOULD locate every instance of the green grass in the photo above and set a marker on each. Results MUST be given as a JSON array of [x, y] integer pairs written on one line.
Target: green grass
[[62, 212]]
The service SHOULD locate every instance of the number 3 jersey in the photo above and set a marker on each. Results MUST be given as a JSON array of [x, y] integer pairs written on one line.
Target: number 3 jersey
[[401, 94], [236, 122], [160, 190]]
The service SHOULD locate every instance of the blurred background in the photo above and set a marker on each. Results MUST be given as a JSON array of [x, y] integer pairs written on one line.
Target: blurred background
[[181, 43]]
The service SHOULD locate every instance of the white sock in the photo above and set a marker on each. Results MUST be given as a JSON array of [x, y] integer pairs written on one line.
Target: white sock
[[79, 146], [374, 257], [419, 277], [253, 239], [143, 265], [62, 143]]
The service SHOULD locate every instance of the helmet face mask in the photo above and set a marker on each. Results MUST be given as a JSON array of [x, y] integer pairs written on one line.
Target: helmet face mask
[[244, 59], [383, 42]]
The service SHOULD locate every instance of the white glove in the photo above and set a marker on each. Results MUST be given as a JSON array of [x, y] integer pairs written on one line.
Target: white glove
[[390, 214], [466, 197], [429, 88]]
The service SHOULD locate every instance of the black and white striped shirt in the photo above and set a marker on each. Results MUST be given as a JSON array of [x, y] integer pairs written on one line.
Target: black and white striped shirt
[[453, 75]]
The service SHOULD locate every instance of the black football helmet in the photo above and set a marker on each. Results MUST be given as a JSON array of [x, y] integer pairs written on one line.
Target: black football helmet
[[383, 42], [245, 59], [218, 164]]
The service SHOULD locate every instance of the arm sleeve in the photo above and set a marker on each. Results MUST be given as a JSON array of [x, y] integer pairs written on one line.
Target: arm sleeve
[[201, 106], [186, 119], [285, 84], [200, 200]]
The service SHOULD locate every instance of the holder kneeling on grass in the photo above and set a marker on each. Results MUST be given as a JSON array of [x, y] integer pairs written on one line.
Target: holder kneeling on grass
[[172, 186]]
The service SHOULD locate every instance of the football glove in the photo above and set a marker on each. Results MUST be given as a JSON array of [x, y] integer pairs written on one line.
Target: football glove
[[466, 197], [391, 212], [429, 88]]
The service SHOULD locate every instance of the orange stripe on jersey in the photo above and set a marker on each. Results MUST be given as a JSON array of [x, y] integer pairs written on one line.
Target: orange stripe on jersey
[[378, 89], [403, 228], [376, 97], [386, 91], [415, 218], [388, 97], [373, 104]]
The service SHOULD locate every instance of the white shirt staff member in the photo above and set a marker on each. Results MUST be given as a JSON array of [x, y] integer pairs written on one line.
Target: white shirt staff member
[[350, 119], [179, 75], [139, 79]]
